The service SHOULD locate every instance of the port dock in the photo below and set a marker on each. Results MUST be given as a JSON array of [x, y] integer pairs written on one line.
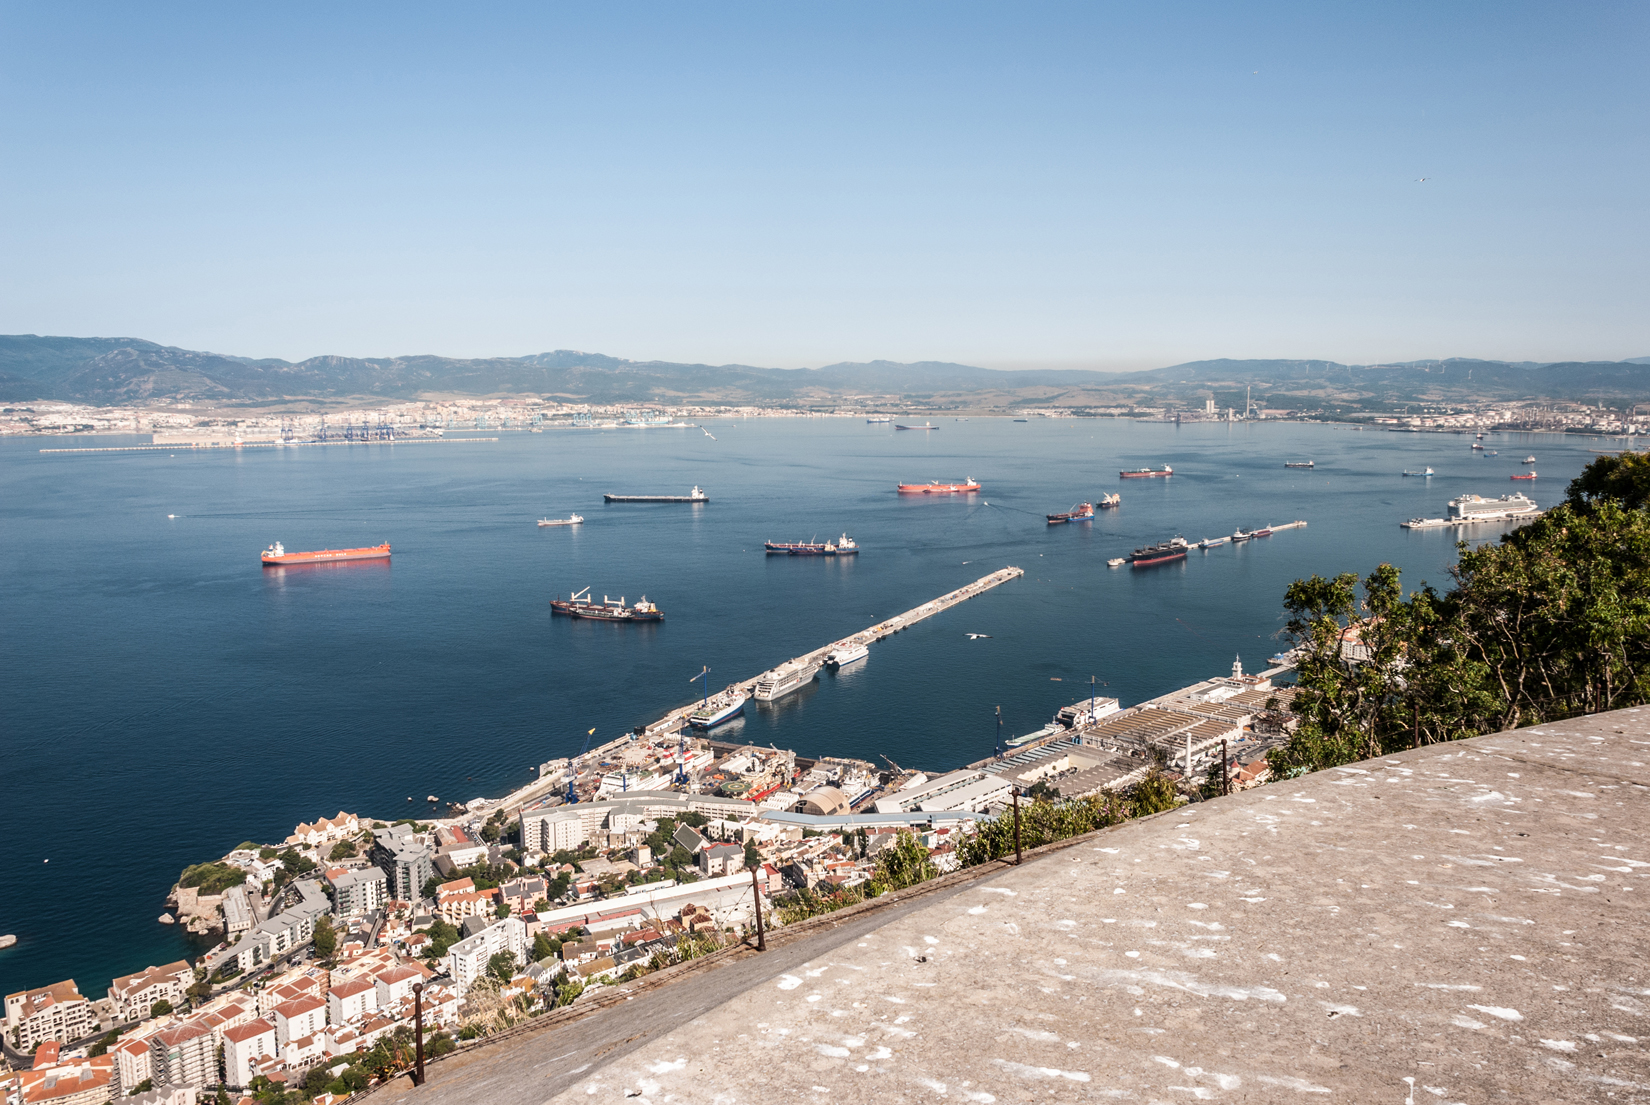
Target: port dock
[[677, 718]]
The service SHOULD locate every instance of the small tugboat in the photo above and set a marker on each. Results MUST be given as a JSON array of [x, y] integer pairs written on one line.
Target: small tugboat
[[1238, 535], [843, 546], [1082, 512], [580, 605], [570, 520], [1116, 562], [1477, 446]]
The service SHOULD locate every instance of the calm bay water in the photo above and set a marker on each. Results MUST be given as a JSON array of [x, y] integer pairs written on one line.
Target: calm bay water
[[166, 697]]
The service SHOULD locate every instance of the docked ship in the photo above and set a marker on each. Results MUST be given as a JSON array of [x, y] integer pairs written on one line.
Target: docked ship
[[1298, 464], [1108, 501], [697, 495], [718, 709], [786, 678], [843, 546], [1145, 473], [277, 554], [843, 655], [967, 487], [1264, 531], [570, 520], [1240, 535], [1476, 508], [1530, 475], [875, 421], [581, 605], [1213, 542], [1082, 512], [1160, 553]]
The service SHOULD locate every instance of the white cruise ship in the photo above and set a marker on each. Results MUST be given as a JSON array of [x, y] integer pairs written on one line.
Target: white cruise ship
[[785, 679], [1476, 508]]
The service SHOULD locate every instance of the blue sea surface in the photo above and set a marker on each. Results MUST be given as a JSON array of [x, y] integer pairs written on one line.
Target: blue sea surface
[[166, 697]]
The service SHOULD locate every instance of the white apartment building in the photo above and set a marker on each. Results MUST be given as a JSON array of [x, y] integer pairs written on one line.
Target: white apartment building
[[244, 1047], [467, 959], [298, 1018], [352, 1001], [55, 1012]]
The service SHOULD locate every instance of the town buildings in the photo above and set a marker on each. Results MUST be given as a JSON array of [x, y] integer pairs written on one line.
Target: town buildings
[[132, 996], [467, 960], [57, 1012], [407, 863]]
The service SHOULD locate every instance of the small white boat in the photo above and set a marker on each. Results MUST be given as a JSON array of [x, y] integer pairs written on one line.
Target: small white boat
[[1116, 562], [571, 520], [1527, 460], [841, 657]]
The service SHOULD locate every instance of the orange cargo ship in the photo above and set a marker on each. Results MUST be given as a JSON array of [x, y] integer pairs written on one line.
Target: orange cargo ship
[[277, 554], [937, 488]]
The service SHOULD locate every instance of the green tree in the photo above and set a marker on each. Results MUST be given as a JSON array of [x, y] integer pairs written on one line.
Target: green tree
[[1623, 479], [160, 1008], [1153, 794], [342, 850], [903, 863], [502, 966], [542, 948], [326, 938], [753, 858], [142, 1087], [443, 935], [211, 878], [502, 910]]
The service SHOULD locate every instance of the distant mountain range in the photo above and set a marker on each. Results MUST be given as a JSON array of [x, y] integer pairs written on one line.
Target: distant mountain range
[[122, 371]]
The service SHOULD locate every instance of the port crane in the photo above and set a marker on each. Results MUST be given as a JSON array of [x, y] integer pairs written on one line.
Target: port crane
[[572, 795], [681, 765]]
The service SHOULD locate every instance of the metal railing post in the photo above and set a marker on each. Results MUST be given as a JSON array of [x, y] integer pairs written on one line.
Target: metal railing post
[[1018, 856], [761, 931], [418, 1031]]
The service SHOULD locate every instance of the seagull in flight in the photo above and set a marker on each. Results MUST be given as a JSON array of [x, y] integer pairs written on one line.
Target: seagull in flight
[[978, 636], [1421, 180]]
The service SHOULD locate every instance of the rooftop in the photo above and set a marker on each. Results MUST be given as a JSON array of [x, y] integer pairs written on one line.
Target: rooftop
[[1459, 922]]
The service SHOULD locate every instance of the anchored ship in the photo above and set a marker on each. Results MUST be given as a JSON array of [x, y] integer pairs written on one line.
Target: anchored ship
[[1530, 475], [571, 520], [1082, 512], [875, 421], [785, 679], [1162, 552], [1529, 459], [1297, 464], [581, 605], [697, 495], [1422, 472], [1145, 473], [277, 554], [924, 426], [843, 546], [1108, 501], [967, 487], [1475, 508]]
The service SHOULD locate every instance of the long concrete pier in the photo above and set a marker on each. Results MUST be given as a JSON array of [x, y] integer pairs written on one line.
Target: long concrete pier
[[677, 718]]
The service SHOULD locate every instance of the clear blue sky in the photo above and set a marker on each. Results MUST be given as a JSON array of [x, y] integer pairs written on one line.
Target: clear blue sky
[[1010, 184]]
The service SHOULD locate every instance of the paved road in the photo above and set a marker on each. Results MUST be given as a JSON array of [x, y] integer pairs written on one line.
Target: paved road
[[532, 1071]]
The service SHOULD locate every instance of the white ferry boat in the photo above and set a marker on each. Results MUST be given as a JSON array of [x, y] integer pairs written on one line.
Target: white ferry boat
[[721, 708], [1476, 508], [785, 679], [841, 657], [571, 520]]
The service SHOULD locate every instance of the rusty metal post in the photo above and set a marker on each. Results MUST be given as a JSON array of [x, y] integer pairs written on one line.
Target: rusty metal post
[[761, 930], [1018, 856], [418, 1031], [1225, 779]]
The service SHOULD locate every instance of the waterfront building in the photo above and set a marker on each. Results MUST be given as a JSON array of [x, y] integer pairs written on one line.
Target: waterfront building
[[237, 911], [132, 996], [55, 1012], [326, 829], [617, 814]]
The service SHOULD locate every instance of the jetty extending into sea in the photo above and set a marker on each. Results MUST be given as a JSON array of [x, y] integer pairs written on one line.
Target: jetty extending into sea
[[677, 718]]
